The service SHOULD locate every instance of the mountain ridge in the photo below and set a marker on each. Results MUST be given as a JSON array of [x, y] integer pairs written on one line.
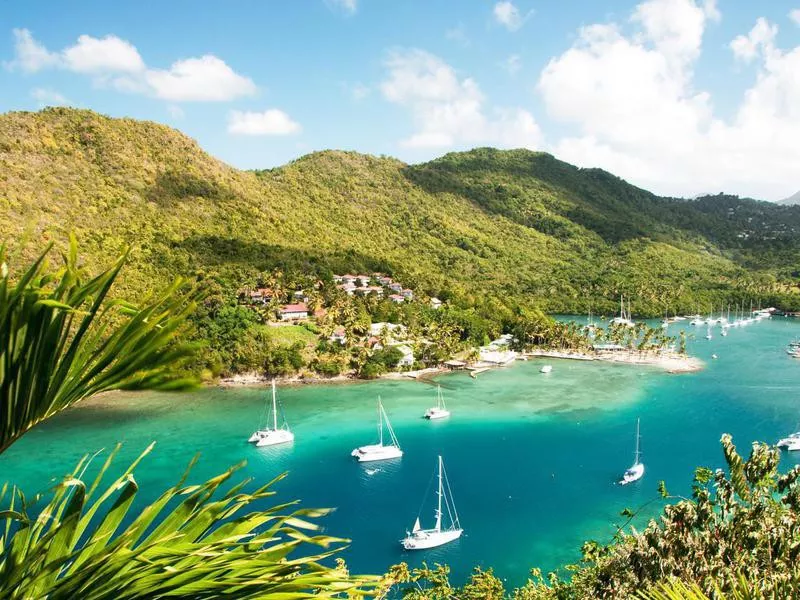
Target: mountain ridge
[[511, 225]]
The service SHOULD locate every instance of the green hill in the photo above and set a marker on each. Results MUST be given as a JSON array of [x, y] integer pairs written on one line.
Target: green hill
[[516, 226]]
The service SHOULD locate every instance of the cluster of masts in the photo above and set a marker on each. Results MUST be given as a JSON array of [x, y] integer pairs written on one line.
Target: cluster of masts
[[387, 447]]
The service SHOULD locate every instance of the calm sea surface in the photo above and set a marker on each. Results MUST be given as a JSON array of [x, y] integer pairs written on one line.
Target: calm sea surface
[[532, 458]]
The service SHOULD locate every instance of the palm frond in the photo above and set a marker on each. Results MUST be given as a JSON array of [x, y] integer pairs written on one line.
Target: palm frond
[[62, 339], [194, 541]]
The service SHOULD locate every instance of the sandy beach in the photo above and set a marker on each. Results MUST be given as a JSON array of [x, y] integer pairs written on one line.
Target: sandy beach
[[670, 362]]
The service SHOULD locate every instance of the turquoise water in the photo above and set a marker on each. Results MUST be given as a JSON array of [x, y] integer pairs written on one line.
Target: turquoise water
[[532, 458]]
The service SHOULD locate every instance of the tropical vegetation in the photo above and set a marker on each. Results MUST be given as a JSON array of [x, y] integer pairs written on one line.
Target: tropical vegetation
[[494, 234]]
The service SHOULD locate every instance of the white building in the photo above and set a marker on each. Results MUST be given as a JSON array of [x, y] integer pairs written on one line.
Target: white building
[[293, 312]]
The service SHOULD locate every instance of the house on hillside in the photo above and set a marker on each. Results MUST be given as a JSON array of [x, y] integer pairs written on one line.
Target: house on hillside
[[347, 288], [260, 296], [293, 312], [374, 289], [407, 294], [397, 298], [338, 336], [384, 280], [396, 287], [349, 279], [337, 279], [408, 356], [300, 296], [363, 280], [436, 303]]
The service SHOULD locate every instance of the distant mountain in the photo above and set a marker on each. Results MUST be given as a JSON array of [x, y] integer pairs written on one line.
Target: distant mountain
[[507, 227], [794, 199]]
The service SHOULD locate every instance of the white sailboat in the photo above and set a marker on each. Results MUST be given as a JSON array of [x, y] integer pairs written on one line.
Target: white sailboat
[[636, 470], [421, 539], [440, 410], [380, 451], [790, 442], [274, 435], [624, 317]]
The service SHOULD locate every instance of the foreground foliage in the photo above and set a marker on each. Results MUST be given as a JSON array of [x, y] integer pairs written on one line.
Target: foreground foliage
[[195, 541], [737, 538], [61, 340]]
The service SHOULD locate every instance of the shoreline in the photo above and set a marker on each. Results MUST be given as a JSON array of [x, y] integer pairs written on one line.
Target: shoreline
[[254, 379], [671, 363]]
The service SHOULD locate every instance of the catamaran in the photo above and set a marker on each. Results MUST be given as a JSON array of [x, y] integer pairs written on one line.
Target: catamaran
[[421, 539], [637, 468], [274, 435], [790, 442], [440, 410], [380, 451], [624, 317]]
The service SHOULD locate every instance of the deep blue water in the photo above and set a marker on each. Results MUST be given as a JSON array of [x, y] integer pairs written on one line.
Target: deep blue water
[[532, 458]]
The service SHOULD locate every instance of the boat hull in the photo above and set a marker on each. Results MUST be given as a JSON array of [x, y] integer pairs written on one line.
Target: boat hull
[[275, 437], [436, 413], [430, 538], [376, 452], [635, 473]]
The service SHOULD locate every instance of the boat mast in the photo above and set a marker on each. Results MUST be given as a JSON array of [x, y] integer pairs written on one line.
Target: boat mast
[[439, 398], [636, 456], [380, 421], [274, 408], [439, 494]]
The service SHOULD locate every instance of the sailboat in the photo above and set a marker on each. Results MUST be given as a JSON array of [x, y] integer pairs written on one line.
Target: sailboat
[[637, 468], [791, 442], [421, 539], [708, 330], [624, 317], [380, 451], [440, 410], [274, 435]]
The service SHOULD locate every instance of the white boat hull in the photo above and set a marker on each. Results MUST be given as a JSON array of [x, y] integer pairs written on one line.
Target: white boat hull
[[376, 452], [546, 369], [436, 413], [790, 443], [275, 437], [635, 473], [430, 538]]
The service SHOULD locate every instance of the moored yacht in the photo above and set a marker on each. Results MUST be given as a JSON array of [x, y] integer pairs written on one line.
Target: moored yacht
[[790, 442], [274, 435], [421, 539], [379, 451], [624, 317], [440, 410], [636, 470]]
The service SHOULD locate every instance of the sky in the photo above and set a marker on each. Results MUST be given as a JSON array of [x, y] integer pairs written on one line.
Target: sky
[[682, 97]]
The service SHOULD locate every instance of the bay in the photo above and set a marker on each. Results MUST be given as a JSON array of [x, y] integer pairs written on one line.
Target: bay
[[532, 458]]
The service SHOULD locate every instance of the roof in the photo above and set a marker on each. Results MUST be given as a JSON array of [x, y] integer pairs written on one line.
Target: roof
[[294, 308], [396, 297]]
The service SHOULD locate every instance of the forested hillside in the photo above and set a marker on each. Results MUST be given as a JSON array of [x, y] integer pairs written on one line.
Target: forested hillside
[[519, 227]]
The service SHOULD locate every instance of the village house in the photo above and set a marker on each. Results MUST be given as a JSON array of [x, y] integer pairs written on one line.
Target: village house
[[260, 296], [364, 279], [408, 294], [374, 289], [396, 287], [385, 280], [408, 356], [397, 298], [436, 303], [293, 312], [337, 278], [300, 296], [347, 288], [349, 279], [338, 335]]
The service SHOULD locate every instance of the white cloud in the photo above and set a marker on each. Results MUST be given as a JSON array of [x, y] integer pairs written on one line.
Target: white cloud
[[794, 15], [199, 79], [760, 38], [269, 122], [508, 15], [512, 64], [458, 35], [46, 97], [633, 105], [115, 62], [348, 6], [448, 111], [108, 54], [30, 55], [711, 11]]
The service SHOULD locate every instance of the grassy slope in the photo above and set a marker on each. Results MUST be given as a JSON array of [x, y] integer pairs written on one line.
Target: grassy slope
[[511, 223]]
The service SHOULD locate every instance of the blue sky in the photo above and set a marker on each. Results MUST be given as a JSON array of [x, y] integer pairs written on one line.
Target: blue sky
[[679, 96]]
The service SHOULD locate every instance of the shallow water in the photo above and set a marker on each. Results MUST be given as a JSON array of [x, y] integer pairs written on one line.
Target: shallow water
[[531, 458]]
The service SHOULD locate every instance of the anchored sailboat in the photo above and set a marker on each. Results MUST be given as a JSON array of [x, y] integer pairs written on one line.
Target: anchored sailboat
[[420, 539], [274, 435], [380, 451], [637, 468], [440, 410], [624, 317]]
